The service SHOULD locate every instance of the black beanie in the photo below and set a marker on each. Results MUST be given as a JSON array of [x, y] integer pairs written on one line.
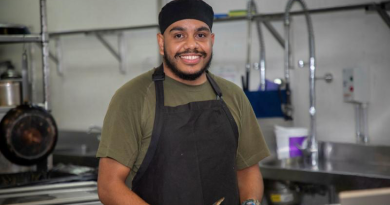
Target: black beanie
[[177, 10]]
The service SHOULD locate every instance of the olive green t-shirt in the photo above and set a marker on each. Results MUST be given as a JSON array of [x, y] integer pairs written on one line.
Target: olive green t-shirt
[[128, 124]]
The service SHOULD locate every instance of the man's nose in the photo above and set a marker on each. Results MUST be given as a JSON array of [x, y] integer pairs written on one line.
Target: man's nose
[[191, 43]]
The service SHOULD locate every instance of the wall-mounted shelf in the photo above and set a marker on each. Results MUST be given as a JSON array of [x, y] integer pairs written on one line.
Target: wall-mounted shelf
[[43, 39], [381, 8], [29, 38]]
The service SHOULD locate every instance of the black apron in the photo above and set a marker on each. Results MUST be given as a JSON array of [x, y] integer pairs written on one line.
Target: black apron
[[192, 153]]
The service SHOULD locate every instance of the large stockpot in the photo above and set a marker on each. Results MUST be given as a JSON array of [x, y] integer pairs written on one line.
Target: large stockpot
[[10, 87], [10, 93]]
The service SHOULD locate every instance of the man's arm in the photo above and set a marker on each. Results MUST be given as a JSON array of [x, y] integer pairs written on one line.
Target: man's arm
[[250, 183], [111, 184]]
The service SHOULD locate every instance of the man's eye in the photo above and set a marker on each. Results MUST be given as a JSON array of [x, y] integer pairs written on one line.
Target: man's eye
[[201, 35], [179, 36]]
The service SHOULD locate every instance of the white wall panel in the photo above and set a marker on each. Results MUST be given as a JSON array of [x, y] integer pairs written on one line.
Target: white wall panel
[[343, 39]]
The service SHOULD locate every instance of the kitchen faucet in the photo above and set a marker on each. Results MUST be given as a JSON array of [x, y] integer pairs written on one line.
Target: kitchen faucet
[[97, 129], [311, 150]]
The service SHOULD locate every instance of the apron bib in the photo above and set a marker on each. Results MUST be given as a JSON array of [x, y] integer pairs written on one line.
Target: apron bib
[[191, 156]]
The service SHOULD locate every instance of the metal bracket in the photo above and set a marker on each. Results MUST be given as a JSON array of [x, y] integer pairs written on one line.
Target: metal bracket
[[274, 32], [385, 16], [121, 55], [58, 58]]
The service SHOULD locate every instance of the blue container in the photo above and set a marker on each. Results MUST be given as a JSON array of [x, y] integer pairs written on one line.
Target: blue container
[[267, 104]]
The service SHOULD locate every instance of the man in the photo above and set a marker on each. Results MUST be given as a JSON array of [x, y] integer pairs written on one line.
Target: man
[[183, 135]]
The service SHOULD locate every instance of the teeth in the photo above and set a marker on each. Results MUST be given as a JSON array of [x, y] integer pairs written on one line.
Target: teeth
[[190, 57]]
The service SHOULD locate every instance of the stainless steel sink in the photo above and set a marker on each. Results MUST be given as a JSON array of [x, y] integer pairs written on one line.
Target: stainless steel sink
[[349, 166]]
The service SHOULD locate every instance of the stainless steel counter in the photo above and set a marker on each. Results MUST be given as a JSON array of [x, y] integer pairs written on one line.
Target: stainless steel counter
[[344, 166]]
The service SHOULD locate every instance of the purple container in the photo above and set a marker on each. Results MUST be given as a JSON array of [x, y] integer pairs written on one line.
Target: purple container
[[295, 143]]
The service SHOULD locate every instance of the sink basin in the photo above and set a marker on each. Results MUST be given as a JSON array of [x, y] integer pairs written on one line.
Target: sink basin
[[350, 166]]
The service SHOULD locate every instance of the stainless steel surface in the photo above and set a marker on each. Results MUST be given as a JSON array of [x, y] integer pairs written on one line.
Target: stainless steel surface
[[20, 38], [311, 151], [65, 193], [10, 93], [45, 55], [48, 187], [345, 166], [361, 123], [77, 148]]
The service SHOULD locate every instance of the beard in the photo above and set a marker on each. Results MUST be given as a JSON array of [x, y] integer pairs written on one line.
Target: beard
[[170, 63]]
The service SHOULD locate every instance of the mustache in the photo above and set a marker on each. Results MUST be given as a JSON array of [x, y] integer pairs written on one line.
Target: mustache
[[204, 54]]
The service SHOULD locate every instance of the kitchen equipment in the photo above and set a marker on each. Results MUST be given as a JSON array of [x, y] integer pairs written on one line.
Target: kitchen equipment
[[28, 133], [282, 193], [64, 193], [10, 86], [13, 29]]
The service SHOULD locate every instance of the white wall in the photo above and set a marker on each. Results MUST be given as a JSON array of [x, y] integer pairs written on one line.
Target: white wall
[[343, 39]]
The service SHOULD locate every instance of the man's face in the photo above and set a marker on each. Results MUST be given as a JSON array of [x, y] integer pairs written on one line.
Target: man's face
[[187, 48]]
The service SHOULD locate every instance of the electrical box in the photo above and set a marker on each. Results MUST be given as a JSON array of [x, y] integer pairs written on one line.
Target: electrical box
[[356, 85]]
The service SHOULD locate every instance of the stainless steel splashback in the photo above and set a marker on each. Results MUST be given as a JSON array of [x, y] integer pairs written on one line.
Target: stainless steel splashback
[[355, 153]]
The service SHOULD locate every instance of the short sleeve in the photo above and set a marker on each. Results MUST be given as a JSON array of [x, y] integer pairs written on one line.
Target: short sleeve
[[121, 129], [252, 147]]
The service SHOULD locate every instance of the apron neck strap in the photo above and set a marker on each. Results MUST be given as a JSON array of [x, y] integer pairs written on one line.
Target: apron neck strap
[[159, 76], [214, 85]]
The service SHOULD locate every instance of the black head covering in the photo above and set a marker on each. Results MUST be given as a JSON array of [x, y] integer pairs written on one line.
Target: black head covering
[[177, 10]]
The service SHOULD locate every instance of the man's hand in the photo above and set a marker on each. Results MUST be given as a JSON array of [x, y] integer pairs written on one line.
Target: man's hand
[[111, 184], [250, 183]]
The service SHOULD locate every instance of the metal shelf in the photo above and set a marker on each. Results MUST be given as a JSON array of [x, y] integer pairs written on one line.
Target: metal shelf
[[381, 8], [29, 38], [6, 109]]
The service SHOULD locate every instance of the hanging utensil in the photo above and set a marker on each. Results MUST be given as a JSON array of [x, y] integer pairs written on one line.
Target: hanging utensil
[[28, 133]]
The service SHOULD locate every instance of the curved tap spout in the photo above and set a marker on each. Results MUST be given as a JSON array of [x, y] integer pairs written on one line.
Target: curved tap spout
[[252, 9], [311, 151]]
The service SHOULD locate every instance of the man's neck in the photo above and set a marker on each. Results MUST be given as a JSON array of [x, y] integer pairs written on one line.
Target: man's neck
[[202, 79]]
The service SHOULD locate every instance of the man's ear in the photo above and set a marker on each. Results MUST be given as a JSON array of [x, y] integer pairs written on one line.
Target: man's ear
[[212, 39], [160, 41]]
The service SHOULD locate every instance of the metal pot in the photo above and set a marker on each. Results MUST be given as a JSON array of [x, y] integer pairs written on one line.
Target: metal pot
[[10, 87], [10, 94]]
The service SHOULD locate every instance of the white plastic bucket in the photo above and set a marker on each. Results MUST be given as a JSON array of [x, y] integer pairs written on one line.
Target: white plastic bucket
[[289, 141]]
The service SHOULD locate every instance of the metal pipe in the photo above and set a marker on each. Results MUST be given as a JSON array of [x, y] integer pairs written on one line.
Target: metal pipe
[[249, 43], [262, 50], [45, 55], [311, 151]]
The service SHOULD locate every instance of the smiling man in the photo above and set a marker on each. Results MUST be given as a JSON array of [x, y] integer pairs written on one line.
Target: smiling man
[[182, 134]]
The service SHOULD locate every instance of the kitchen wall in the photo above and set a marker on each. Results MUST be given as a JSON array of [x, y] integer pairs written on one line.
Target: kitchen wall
[[91, 74]]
